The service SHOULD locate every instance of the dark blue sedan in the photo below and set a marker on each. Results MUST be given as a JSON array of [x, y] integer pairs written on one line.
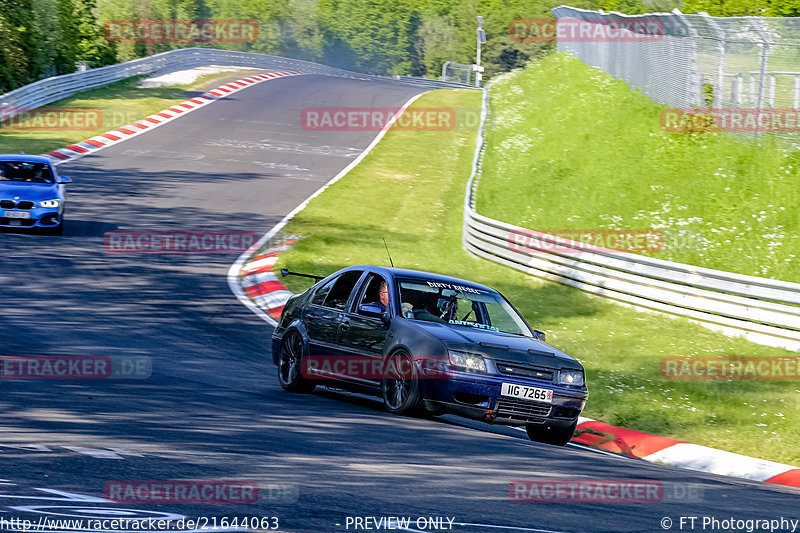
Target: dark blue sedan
[[31, 193], [425, 342]]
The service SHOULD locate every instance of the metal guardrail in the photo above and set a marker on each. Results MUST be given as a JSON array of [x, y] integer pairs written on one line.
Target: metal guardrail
[[762, 310], [49, 90]]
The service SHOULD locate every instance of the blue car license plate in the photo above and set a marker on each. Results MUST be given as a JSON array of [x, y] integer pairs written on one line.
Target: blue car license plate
[[17, 214]]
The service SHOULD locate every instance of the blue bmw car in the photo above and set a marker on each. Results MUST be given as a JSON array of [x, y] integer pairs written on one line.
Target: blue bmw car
[[31, 193], [425, 342]]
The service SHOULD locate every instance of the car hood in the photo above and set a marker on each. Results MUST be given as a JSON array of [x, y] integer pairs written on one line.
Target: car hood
[[29, 191], [500, 346]]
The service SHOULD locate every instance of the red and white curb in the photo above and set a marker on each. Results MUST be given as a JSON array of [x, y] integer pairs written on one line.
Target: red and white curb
[[262, 285], [138, 127], [673, 452]]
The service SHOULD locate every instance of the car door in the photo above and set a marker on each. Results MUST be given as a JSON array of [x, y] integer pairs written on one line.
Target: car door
[[363, 335], [324, 312]]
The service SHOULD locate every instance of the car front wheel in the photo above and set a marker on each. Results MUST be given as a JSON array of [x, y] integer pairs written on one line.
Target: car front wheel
[[290, 375], [557, 436], [400, 386]]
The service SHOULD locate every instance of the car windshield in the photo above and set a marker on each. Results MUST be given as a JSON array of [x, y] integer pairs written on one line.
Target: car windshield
[[460, 305], [25, 172]]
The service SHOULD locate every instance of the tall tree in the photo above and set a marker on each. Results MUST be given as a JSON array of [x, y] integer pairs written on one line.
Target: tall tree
[[82, 36], [302, 33], [368, 35], [20, 54]]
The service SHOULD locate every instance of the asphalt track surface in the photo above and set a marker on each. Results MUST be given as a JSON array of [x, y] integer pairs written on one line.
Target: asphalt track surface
[[212, 409]]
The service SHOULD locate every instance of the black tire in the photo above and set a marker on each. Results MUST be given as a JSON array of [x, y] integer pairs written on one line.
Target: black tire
[[557, 436], [290, 363], [400, 386]]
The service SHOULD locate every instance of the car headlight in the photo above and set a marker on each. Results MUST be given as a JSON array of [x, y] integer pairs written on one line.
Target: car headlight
[[571, 377], [468, 361], [49, 203]]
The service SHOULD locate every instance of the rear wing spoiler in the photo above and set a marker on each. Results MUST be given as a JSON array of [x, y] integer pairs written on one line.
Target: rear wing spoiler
[[286, 272]]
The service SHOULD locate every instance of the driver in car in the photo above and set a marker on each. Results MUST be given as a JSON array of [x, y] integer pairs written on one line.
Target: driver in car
[[383, 297]]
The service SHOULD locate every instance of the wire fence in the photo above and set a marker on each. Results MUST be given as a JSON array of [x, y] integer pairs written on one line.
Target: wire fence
[[457, 72], [743, 71]]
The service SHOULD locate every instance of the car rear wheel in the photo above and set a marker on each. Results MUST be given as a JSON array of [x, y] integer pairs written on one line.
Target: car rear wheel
[[400, 386], [290, 363], [556, 436]]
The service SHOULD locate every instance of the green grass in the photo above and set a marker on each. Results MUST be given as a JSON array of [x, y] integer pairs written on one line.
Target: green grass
[[120, 103], [410, 190], [569, 147]]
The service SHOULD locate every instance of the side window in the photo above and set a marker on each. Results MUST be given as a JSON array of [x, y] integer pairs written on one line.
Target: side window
[[339, 294], [322, 292], [372, 292]]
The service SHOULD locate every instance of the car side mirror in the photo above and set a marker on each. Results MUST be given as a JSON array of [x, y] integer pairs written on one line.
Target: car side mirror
[[371, 310], [386, 319], [539, 334], [64, 180]]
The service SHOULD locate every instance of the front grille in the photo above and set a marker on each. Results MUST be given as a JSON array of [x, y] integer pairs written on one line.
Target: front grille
[[522, 369], [22, 222], [10, 204], [521, 410]]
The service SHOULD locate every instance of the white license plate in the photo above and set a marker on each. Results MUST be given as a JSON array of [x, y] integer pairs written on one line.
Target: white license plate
[[526, 393], [17, 214]]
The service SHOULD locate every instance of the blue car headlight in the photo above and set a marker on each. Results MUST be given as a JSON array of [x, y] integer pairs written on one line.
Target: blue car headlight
[[470, 362], [571, 377], [50, 203]]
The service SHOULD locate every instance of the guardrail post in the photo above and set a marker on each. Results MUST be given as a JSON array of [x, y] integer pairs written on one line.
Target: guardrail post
[[762, 72], [771, 99], [693, 81], [737, 88], [796, 95], [719, 91]]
